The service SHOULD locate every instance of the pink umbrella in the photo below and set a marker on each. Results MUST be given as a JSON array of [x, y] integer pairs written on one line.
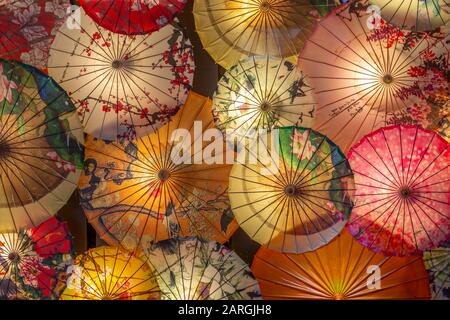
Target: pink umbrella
[[402, 200]]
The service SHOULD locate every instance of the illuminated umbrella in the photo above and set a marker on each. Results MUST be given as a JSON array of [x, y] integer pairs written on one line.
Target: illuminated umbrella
[[443, 127], [132, 16], [343, 269], [368, 74], [34, 263], [27, 29], [402, 202], [437, 262], [297, 201], [262, 93], [414, 15], [134, 193], [41, 151], [231, 30], [193, 269], [108, 273], [122, 85]]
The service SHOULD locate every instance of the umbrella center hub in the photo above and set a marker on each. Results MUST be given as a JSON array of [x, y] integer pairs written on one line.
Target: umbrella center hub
[[163, 174], [405, 192], [291, 190], [265, 6], [338, 296], [14, 257], [4, 149], [265, 106], [118, 64], [388, 79]]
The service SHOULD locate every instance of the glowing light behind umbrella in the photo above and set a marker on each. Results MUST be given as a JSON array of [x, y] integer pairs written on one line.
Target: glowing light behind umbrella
[[132, 16], [34, 263], [368, 74], [123, 86], [135, 193], [402, 202], [194, 269], [28, 27], [41, 147], [108, 273], [296, 198], [343, 269], [231, 30], [262, 93]]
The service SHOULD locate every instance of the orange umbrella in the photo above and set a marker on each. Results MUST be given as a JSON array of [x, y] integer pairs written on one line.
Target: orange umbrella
[[134, 193], [343, 269]]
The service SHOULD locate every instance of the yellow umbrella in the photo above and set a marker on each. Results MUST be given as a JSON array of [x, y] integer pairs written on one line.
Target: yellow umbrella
[[414, 15], [367, 74], [108, 273], [134, 193], [234, 29], [296, 198]]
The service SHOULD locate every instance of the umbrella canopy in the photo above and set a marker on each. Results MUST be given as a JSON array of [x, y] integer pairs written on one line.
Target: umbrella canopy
[[34, 263], [437, 263], [298, 200], [414, 15], [262, 93], [108, 273], [368, 74], [443, 127], [41, 151], [343, 269], [231, 30], [28, 27], [189, 268], [122, 85], [402, 202], [134, 193], [132, 16]]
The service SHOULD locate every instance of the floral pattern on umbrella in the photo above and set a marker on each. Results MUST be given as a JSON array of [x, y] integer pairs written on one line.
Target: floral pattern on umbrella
[[27, 29], [402, 202], [123, 86], [261, 93], [194, 269], [298, 196], [437, 263], [132, 16], [368, 74], [41, 147], [34, 263]]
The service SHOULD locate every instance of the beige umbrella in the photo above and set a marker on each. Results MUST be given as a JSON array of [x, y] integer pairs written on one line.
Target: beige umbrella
[[367, 74], [123, 86]]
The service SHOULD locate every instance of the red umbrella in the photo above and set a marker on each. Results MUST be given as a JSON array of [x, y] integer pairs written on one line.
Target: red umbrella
[[34, 263], [402, 200], [132, 16], [27, 29]]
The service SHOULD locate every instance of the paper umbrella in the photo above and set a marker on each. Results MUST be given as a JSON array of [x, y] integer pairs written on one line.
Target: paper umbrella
[[34, 263], [341, 270], [132, 16], [402, 199], [122, 85], [195, 269], [367, 74], [41, 147], [134, 193], [231, 30], [297, 195]]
